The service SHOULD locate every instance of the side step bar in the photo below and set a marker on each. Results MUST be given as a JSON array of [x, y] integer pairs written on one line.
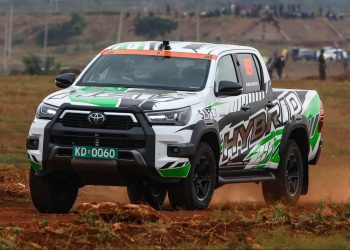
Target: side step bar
[[241, 176]]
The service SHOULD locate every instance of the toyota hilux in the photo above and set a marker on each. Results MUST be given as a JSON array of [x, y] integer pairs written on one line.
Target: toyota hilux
[[176, 118]]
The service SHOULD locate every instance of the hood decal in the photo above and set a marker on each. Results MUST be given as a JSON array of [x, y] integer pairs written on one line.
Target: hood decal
[[147, 99], [99, 101]]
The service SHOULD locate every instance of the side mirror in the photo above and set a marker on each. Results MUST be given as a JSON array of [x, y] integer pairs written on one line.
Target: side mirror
[[65, 80], [230, 88]]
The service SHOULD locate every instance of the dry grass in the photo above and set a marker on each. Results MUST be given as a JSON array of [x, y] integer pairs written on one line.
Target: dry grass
[[20, 96]]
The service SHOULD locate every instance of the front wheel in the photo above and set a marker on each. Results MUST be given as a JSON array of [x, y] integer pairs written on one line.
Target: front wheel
[[196, 190], [154, 196], [53, 193], [289, 178]]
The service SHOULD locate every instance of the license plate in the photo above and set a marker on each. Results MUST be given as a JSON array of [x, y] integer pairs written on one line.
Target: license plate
[[90, 152]]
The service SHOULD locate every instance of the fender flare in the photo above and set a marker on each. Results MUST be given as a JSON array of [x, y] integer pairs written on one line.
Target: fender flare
[[298, 122], [204, 127], [199, 129]]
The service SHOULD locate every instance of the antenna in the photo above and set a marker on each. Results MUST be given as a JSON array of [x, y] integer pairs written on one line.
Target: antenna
[[165, 45]]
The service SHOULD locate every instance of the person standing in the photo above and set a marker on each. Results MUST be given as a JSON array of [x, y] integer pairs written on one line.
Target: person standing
[[279, 65], [345, 64], [322, 66]]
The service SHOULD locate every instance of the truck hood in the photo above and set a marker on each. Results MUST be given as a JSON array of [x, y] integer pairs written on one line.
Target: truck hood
[[146, 99]]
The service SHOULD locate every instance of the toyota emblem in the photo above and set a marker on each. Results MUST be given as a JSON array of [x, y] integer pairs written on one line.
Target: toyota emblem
[[97, 118]]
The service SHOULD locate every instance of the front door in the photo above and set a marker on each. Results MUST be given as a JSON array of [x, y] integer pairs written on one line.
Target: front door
[[233, 113]]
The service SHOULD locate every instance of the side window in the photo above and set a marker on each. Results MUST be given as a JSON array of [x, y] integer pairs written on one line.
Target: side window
[[225, 70], [250, 76], [258, 67]]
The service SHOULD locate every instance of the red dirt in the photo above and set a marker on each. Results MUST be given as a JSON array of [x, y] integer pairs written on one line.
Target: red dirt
[[236, 211]]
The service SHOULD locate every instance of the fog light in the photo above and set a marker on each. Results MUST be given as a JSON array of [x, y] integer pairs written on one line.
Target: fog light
[[176, 150], [32, 143]]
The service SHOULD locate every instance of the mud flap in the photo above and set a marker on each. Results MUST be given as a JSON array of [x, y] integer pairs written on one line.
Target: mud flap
[[305, 187]]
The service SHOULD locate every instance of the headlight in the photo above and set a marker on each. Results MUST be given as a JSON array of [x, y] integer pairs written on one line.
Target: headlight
[[46, 112], [179, 117]]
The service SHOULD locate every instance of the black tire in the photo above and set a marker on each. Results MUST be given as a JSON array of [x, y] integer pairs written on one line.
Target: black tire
[[53, 193], [288, 185], [196, 190], [154, 196]]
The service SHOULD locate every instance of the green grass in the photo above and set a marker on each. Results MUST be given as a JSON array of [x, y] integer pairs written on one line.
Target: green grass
[[281, 238]]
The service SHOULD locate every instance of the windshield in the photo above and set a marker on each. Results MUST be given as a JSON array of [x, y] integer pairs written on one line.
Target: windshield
[[144, 71]]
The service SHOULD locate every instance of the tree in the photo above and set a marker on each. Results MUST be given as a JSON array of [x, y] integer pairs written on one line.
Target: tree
[[151, 27], [34, 66], [63, 31]]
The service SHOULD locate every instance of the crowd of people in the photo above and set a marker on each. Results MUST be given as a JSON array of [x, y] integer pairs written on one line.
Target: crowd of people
[[276, 10], [277, 62]]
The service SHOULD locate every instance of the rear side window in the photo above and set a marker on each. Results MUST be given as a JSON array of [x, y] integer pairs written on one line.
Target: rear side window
[[249, 72]]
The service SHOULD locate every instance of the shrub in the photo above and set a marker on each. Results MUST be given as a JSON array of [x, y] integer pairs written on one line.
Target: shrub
[[35, 66], [151, 27], [61, 32]]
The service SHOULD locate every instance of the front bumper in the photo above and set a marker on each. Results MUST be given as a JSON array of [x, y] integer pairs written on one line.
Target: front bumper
[[137, 151]]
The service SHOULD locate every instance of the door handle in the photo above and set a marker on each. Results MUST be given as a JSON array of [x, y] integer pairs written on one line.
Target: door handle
[[270, 105], [245, 108]]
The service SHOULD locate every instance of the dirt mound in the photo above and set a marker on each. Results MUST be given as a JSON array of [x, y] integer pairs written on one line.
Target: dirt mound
[[110, 212], [13, 184]]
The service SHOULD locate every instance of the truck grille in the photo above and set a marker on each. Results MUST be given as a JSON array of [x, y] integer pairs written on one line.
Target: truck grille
[[80, 120], [93, 139]]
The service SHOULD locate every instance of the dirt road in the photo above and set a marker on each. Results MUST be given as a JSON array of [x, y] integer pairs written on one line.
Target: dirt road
[[102, 216]]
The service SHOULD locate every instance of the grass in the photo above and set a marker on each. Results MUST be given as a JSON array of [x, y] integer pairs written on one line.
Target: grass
[[281, 238], [335, 98], [20, 96]]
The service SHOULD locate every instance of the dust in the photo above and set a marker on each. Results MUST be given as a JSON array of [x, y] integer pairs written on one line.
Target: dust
[[329, 182]]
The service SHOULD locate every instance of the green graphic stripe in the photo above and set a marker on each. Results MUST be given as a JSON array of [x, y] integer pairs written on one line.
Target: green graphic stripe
[[103, 89], [213, 105], [176, 172], [141, 46], [123, 46], [312, 110], [267, 139], [99, 101], [221, 147], [35, 165]]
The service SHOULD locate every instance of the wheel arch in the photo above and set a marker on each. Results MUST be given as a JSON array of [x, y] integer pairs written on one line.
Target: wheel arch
[[208, 132], [298, 130]]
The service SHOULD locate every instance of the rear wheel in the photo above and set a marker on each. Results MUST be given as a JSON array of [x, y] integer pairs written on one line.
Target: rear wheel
[[196, 190], [53, 193], [154, 196], [289, 178]]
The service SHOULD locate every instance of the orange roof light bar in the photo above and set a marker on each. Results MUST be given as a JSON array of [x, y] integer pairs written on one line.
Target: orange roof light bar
[[158, 53]]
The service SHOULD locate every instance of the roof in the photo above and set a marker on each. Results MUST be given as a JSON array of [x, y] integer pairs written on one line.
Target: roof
[[183, 47]]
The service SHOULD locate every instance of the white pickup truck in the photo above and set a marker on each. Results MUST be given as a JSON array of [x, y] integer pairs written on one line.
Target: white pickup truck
[[181, 118]]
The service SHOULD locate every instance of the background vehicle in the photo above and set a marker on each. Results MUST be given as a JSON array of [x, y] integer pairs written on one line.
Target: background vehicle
[[183, 118], [303, 54], [333, 54]]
